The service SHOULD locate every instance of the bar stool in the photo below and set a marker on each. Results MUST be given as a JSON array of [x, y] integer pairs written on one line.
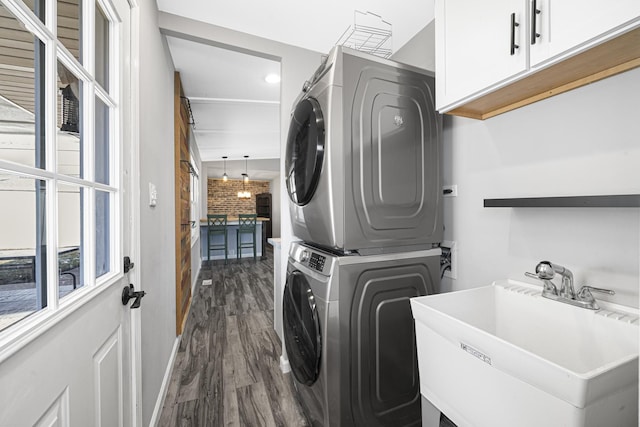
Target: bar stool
[[246, 225], [216, 226]]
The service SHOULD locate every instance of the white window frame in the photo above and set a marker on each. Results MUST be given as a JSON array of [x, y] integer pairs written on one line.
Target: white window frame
[[24, 331]]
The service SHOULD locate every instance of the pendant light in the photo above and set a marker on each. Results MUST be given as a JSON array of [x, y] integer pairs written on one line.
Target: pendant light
[[244, 194], [225, 177], [245, 175]]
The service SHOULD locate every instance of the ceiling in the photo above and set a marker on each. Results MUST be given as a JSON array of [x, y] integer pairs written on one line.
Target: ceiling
[[236, 112], [258, 170], [314, 26]]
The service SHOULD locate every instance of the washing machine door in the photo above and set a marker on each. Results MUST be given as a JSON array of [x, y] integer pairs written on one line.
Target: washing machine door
[[301, 329], [305, 151]]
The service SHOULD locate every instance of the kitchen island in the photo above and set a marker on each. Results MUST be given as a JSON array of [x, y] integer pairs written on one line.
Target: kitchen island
[[232, 227]]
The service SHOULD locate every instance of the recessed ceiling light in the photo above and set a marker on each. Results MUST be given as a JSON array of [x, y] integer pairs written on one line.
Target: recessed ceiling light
[[272, 78]]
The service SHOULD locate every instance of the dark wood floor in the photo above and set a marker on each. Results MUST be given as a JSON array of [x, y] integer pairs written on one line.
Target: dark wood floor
[[227, 372]]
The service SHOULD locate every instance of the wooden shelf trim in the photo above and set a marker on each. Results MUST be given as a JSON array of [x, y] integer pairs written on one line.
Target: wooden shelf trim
[[601, 201], [604, 60]]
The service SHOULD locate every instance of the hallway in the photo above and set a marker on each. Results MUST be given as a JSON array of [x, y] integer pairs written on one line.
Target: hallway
[[227, 369]]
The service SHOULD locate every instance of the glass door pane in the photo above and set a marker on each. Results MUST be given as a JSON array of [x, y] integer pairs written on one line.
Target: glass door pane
[[70, 26], [22, 250], [102, 48], [69, 123], [21, 93], [103, 233], [101, 151], [37, 7], [70, 241]]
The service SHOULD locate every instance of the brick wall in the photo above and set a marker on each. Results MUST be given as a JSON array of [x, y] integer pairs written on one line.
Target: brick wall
[[222, 197]]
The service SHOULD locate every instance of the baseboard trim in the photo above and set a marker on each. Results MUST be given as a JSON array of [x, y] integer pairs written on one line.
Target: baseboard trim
[[162, 394], [284, 364], [195, 277]]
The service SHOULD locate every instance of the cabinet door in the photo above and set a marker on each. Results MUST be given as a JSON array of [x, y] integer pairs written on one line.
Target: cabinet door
[[473, 46], [563, 25]]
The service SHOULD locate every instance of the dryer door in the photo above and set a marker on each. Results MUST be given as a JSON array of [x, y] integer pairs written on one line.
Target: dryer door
[[301, 329], [305, 151]]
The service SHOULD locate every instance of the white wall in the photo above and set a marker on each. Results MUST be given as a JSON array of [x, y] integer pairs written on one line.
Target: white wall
[[584, 142], [297, 65], [276, 202], [420, 50], [157, 257]]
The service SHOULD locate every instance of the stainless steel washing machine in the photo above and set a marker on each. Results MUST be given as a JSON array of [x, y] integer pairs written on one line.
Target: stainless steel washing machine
[[349, 334], [362, 156]]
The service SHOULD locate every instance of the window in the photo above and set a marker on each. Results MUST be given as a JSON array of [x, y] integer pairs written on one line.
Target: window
[[58, 191]]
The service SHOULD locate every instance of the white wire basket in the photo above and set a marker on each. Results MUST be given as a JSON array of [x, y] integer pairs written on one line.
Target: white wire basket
[[369, 33]]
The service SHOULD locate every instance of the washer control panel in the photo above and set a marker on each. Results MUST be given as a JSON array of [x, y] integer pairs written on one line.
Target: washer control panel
[[316, 261]]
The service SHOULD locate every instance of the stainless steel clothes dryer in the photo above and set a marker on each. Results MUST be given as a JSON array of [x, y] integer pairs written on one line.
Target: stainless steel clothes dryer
[[349, 334], [362, 156]]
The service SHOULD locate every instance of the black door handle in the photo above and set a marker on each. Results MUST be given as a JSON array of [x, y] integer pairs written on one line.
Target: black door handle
[[129, 293], [514, 24], [534, 11]]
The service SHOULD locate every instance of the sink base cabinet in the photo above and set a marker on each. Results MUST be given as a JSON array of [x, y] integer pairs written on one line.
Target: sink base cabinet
[[471, 392]]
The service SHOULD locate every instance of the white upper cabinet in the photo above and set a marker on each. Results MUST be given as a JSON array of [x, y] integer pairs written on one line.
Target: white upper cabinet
[[474, 45], [496, 55], [564, 25]]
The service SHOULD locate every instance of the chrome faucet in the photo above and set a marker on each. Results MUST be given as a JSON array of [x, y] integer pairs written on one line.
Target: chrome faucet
[[545, 271]]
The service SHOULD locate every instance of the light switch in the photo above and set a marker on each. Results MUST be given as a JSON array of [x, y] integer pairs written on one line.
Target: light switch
[[153, 195]]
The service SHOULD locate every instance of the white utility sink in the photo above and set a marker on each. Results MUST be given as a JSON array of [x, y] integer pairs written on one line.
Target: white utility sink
[[502, 355]]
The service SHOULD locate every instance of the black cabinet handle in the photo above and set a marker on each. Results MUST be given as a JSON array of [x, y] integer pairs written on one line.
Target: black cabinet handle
[[534, 11], [514, 24]]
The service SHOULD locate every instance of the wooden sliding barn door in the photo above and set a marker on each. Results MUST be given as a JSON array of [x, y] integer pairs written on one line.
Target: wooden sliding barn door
[[183, 224]]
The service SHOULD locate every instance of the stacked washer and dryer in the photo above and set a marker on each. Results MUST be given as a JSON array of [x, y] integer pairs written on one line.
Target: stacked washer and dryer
[[363, 177]]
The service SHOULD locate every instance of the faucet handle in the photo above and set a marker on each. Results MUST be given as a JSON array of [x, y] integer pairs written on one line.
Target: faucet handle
[[585, 291], [584, 295], [549, 287]]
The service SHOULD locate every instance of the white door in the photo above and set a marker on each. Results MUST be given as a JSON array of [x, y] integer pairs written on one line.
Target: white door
[[67, 215], [473, 46], [563, 25]]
